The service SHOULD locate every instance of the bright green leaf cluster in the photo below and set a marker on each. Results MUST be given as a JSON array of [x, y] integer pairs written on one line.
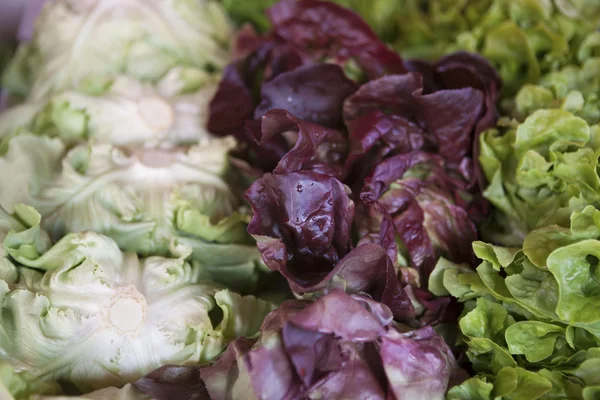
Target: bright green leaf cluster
[[524, 39], [539, 171], [573, 88], [532, 322]]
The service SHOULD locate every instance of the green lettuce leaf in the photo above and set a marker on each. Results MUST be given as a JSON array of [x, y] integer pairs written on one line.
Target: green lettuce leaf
[[22, 385]]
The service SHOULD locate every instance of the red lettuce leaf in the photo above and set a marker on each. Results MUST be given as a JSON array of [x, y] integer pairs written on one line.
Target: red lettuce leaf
[[238, 93], [297, 39], [315, 148], [392, 95], [466, 70], [332, 348], [322, 30], [231, 105], [438, 310], [418, 362], [302, 223], [302, 226], [369, 269], [225, 369], [448, 104], [339, 314], [426, 209], [450, 118], [313, 93]]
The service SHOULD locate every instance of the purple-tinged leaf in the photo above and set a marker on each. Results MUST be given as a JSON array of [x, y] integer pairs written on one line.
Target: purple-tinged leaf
[[315, 148], [324, 30], [313, 93], [302, 224]]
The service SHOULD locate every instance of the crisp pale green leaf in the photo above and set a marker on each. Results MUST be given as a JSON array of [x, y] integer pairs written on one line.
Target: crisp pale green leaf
[[22, 385], [239, 314], [520, 384], [152, 201], [576, 270], [475, 388], [533, 339]]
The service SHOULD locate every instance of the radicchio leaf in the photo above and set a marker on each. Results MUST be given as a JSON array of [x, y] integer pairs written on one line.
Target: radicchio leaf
[[176, 382], [297, 39], [465, 70], [301, 223], [418, 364], [232, 104], [369, 269], [237, 95], [440, 108]]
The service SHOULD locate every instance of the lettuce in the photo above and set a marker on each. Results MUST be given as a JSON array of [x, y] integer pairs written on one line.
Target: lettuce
[[336, 347], [153, 201], [21, 385], [364, 161], [539, 171], [84, 45], [128, 315], [531, 324], [126, 112], [16, 385], [523, 39], [573, 88]]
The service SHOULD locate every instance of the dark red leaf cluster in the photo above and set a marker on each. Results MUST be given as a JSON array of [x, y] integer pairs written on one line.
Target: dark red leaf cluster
[[384, 159]]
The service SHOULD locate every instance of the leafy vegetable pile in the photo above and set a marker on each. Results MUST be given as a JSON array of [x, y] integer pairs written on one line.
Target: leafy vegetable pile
[[296, 210], [523, 39]]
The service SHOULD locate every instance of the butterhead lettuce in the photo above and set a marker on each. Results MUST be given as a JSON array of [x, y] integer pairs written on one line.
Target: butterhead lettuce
[[153, 201], [84, 44], [126, 112], [572, 88], [83, 311]]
